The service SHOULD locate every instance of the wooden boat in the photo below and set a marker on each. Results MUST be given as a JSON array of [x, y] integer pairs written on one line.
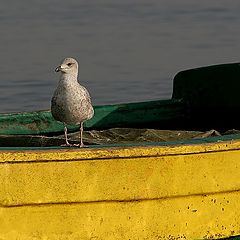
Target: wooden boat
[[172, 190]]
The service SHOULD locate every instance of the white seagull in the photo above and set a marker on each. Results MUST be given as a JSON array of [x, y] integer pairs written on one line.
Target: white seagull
[[71, 102]]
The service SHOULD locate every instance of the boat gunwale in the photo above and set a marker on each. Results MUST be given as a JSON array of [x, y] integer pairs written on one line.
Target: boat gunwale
[[110, 152]]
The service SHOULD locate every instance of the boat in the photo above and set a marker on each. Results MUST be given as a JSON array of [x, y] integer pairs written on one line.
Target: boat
[[183, 189]]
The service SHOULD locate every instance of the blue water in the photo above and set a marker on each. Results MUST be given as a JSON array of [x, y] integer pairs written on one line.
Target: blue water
[[128, 50]]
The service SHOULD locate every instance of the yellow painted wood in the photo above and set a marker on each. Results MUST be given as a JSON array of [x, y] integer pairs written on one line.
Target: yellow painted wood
[[155, 192], [193, 217]]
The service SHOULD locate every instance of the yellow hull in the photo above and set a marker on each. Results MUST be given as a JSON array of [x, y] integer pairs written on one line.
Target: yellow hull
[[151, 192]]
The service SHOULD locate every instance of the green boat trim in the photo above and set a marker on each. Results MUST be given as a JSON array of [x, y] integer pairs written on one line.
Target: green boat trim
[[141, 114]]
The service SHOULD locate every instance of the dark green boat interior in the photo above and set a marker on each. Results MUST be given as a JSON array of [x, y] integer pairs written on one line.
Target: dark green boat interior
[[203, 99]]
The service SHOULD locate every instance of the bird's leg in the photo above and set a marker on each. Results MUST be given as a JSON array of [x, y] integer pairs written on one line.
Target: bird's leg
[[67, 144], [66, 139], [65, 133], [81, 136], [81, 145]]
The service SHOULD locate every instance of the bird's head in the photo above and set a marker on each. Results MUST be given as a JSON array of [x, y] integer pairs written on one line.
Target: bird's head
[[68, 66]]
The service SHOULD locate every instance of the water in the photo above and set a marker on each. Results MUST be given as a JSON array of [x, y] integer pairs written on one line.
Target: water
[[129, 50]]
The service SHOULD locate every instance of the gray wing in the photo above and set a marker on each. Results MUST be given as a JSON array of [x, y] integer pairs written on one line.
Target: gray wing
[[55, 109], [87, 103], [87, 95]]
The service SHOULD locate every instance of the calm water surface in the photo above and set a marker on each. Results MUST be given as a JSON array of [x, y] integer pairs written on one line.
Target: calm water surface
[[129, 50]]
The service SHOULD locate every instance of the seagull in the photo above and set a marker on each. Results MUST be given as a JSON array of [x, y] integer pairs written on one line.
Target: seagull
[[71, 102]]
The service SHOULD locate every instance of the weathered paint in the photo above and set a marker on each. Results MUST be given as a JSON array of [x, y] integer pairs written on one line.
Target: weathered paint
[[193, 217], [154, 192]]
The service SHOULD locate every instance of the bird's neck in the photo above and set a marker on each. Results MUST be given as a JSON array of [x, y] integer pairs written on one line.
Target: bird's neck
[[68, 77]]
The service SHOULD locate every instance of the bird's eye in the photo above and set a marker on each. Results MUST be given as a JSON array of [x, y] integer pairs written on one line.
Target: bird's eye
[[69, 64]]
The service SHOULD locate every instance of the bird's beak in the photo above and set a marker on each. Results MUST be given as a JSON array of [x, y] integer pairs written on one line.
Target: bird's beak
[[58, 69]]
